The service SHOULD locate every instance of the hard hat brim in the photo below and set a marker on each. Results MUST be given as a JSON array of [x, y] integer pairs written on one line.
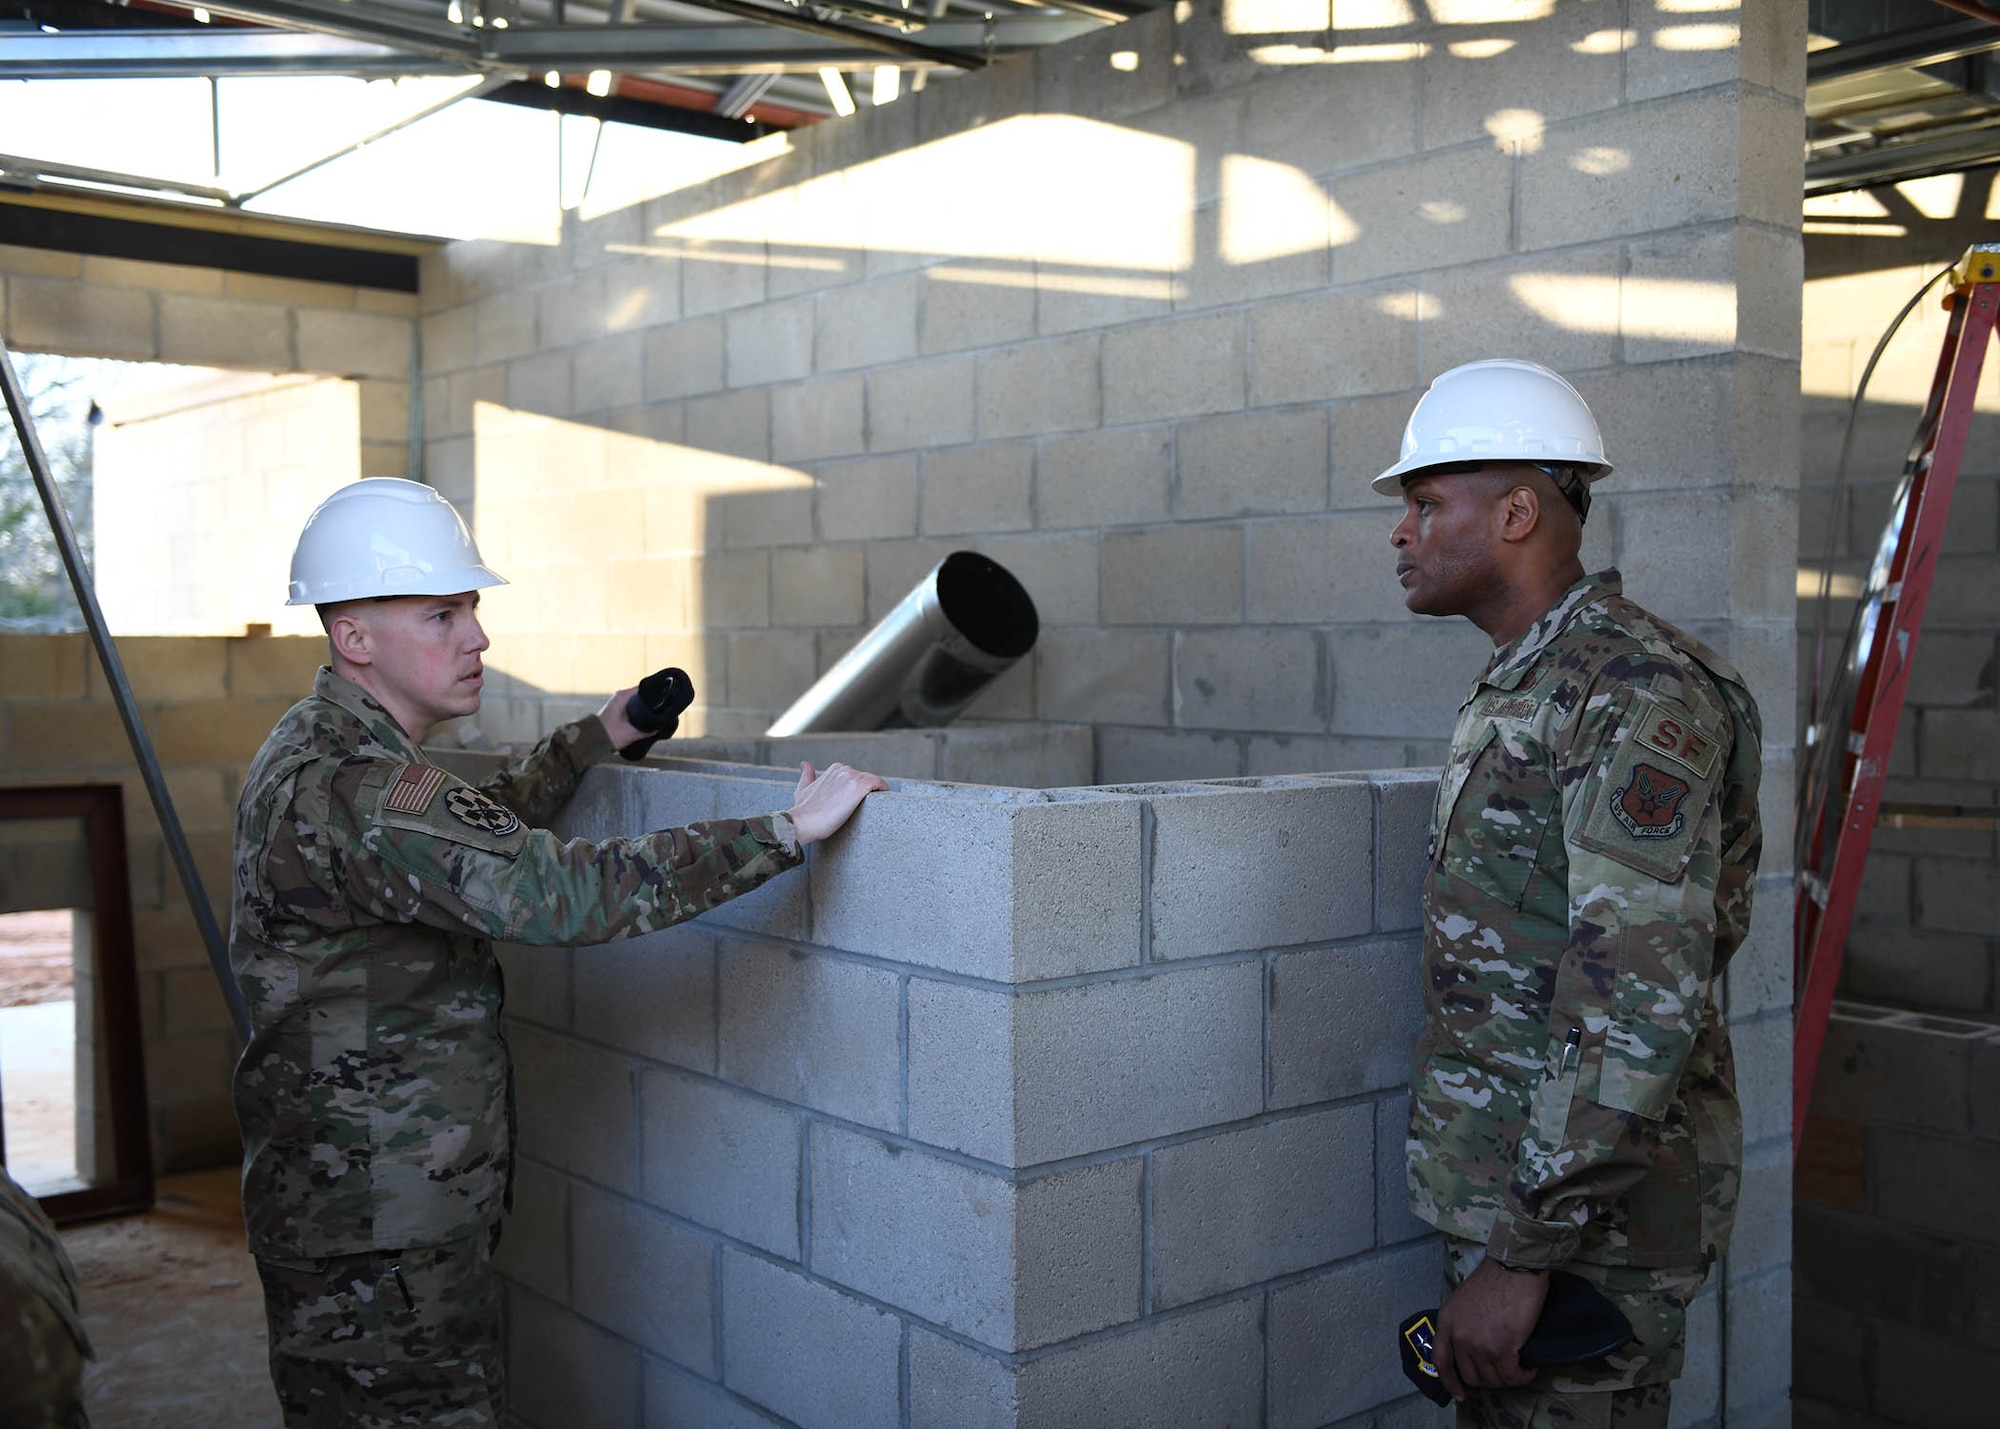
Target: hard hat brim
[[457, 582], [1390, 482]]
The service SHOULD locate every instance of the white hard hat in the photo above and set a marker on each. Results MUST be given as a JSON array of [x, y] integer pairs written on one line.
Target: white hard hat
[[1500, 409], [384, 536]]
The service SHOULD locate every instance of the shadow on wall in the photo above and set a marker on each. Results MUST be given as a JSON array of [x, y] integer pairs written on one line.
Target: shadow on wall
[[1146, 357]]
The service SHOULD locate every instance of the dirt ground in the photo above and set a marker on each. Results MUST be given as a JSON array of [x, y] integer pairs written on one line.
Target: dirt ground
[[174, 1307], [34, 958]]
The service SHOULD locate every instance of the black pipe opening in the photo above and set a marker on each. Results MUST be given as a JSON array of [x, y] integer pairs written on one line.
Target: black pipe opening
[[987, 606]]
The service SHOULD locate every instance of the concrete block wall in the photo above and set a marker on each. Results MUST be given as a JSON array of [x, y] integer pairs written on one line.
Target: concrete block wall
[[1898, 1255], [208, 705], [1138, 317], [199, 498], [1080, 1106]]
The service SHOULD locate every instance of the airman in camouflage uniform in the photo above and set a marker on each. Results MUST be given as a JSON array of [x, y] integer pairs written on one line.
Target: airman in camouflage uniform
[[42, 1340], [1594, 843], [375, 1096]]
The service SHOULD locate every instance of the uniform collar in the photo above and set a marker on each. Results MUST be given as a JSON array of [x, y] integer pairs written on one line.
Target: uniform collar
[[366, 708], [1512, 661]]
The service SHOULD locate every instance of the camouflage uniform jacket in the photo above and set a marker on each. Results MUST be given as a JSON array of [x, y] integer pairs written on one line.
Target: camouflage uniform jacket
[[1593, 850], [375, 1095], [32, 1258]]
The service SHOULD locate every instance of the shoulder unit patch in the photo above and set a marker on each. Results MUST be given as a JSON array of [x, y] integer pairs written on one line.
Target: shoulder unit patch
[[481, 811]]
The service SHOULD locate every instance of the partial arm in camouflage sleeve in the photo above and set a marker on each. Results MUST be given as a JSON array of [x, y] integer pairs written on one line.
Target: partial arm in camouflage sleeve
[[526, 885], [539, 783], [1631, 993]]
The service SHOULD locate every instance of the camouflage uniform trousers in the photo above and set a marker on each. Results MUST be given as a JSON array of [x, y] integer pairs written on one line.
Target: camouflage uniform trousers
[[388, 1337], [41, 1386], [1631, 1389]]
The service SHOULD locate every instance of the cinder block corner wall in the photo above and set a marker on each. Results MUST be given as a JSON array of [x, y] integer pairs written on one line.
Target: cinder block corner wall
[[1105, 1127]]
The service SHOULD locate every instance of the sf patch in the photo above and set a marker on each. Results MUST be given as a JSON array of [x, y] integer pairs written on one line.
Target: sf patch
[[1649, 806], [481, 811], [1646, 809]]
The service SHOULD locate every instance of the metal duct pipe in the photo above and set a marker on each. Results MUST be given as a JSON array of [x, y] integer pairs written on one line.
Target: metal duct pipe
[[965, 623]]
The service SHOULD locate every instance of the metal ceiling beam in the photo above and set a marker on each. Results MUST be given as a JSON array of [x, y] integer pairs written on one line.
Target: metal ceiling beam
[[19, 167], [685, 47], [1905, 49], [788, 19], [1963, 147], [166, 54], [360, 20], [602, 46]]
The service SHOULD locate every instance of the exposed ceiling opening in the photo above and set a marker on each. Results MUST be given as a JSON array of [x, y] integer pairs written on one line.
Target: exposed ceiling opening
[[1900, 89]]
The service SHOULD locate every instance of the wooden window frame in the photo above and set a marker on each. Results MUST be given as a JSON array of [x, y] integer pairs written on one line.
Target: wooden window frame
[[115, 980]]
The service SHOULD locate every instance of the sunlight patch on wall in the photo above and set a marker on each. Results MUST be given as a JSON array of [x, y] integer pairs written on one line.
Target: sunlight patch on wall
[[1270, 210], [1516, 129], [1678, 309], [1275, 17], [1689, 38], [1936, 197], [1339, 54], [1605, 42], [1087, 197], [1839, 586], [613, 545], [1490, 12]]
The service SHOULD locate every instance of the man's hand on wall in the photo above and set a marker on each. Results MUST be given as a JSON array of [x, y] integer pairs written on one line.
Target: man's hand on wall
[[1481, 1328], [825, 801]]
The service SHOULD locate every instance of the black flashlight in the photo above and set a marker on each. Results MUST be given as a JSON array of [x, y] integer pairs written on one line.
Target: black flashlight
[[656, 708]]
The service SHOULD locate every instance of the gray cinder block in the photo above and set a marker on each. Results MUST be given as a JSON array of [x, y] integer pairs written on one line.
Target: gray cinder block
[[1012, 1266], [1403, 804], [721, 1157], [534, 1248], [962, 1069], [1247, 868], [1111, 1063], [807, 1353], [1246, 1206], [564, 1370], [1206, 1367], [954, 1386], [1011, 889], [1343, 1021], [1394, 1223], [1333, 1342], [669, 1309], [554, 1077], [811, 1029], [652, 996], [1250, 679]]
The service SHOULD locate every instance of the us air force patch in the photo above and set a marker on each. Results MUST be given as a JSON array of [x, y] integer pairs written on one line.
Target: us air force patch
[[1649, 806], [480, 811]]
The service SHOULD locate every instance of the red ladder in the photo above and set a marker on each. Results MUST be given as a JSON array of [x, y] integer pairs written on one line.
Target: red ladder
[[1899, 585]]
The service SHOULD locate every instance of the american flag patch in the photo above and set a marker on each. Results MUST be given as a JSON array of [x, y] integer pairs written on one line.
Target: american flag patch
[[413, 788]]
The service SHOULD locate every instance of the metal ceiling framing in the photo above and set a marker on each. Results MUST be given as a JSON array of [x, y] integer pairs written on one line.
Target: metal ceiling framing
[[680, 56], [1905, 89]]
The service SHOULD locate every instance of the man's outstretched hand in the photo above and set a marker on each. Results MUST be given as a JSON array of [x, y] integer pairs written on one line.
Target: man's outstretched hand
[[825, 801], [620, 728], [1481, 1328]]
